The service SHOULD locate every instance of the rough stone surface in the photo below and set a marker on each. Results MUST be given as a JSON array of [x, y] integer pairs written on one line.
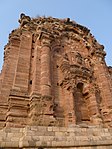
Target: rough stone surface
[[54, 74]]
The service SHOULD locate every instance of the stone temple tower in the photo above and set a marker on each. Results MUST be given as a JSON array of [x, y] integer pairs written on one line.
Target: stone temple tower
[[54, 74]]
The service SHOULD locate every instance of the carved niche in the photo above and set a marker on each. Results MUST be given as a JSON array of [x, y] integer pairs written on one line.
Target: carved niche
[[77, 78]]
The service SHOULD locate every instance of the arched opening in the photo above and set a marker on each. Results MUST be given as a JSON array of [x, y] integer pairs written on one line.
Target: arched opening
[[80, 105]]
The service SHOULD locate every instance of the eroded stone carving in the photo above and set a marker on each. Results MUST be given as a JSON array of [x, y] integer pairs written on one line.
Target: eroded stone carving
[[24, 19]]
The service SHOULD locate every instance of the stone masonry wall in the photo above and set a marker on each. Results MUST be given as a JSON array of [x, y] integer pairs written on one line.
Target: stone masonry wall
[[56, 137]]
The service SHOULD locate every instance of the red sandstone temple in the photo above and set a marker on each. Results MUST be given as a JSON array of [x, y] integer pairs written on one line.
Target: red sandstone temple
[[54, 74]]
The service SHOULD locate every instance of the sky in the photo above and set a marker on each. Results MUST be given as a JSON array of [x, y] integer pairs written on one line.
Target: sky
[[94, 14]]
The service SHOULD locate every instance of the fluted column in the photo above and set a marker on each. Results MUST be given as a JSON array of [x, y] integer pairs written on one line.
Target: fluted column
[[45, 69]]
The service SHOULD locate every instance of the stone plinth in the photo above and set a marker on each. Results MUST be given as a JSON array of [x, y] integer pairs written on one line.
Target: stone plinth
[[56, 137]]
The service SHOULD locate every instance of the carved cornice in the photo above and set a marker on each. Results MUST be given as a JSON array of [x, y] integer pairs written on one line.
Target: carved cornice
[[54, 28]]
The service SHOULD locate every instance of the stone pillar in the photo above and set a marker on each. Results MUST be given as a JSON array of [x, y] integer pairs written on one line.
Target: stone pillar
[[103, 81], [95, 115], [45, 69], [78, 104], [70, 117]]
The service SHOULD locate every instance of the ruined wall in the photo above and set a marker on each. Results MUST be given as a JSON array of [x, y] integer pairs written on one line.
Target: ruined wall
[[54, 74]]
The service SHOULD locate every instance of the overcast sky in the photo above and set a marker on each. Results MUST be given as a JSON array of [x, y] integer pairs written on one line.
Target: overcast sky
[[94, 14]]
